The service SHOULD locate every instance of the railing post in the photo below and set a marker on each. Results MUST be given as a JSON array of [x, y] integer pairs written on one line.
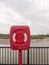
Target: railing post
[[28, 57]]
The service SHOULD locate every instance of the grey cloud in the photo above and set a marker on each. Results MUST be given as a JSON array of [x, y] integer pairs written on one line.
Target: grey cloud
[[33, 12], [21, 6], [28, 9]]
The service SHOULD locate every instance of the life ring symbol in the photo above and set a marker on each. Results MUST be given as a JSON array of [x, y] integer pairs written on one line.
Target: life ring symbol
[[14, 35]]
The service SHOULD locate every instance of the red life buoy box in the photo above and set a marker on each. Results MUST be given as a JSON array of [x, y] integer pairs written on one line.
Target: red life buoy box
[[19, 37]]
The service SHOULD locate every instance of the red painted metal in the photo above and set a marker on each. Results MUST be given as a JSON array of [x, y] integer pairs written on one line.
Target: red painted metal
[[21, 39], [20, 44], [20, 57]]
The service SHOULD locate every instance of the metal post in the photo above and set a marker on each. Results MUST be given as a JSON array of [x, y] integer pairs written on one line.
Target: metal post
[[20, 57], [28, 57]]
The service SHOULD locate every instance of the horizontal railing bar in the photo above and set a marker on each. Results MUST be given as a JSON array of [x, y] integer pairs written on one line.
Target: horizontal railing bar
[[29, 47], [39, 47], [4, 47]]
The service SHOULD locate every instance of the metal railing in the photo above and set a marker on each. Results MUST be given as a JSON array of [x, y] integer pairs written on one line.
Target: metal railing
[[8, 56], [34, 56], [38, 55]]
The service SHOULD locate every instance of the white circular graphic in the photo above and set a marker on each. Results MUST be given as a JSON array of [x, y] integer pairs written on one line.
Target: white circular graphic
[[25, 37], [14, 35]]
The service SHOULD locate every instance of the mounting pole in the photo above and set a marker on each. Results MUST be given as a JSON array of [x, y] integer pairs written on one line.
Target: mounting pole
[[20, 57]]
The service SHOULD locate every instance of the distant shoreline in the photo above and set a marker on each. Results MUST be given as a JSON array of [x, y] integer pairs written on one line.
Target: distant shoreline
[[41, 36]]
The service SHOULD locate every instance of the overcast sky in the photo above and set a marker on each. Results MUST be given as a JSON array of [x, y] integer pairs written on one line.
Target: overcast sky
[[34, 13]]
